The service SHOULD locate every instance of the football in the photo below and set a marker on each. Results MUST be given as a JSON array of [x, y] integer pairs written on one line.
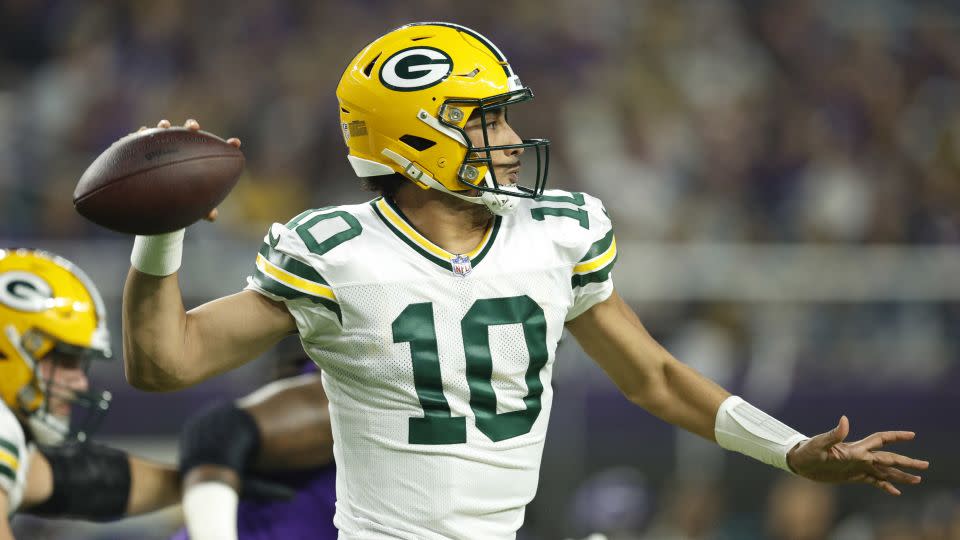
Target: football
[[158, 180]]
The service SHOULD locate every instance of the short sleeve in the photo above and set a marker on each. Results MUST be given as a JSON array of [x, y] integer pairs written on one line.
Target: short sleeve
[[11, 450], [284, 274], [592, 279]]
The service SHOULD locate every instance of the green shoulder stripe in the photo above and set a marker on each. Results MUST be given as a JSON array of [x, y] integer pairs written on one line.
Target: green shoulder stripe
[[276, 288], [599, 247], [291, 265], [8, 472], [10, 448], [597, 276]]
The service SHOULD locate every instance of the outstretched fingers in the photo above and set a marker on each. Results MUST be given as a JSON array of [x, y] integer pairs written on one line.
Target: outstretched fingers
[[886, 486], [894, 474], [880, 439], [889, 459], [878, 483]]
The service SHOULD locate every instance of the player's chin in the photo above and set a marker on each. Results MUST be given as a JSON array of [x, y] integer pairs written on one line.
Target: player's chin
[[508, 178], [60, 410]]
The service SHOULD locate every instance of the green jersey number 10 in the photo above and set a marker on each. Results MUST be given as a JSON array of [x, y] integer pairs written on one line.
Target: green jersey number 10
[[415, 325]]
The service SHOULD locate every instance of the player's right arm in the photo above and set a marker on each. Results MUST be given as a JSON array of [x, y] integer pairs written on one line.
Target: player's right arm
[[166, 347]]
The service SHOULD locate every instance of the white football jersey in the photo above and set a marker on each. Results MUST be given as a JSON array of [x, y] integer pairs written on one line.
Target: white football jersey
[[437, 365], [14, 457]]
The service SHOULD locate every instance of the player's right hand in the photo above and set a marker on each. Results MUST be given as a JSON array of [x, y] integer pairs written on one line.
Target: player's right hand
[[195, 126]]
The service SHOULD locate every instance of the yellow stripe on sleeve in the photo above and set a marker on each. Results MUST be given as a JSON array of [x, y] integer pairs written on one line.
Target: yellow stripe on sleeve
[[292, 281], [599, 261], [9, 459]]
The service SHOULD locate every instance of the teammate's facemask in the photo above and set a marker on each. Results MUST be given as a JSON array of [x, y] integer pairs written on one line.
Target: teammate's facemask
[[50, 312], [404, 102]]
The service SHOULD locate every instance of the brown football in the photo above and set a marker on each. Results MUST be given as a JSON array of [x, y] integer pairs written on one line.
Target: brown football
[[158, 180]]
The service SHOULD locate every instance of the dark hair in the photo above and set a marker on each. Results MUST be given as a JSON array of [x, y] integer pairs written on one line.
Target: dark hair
[[386, 185]]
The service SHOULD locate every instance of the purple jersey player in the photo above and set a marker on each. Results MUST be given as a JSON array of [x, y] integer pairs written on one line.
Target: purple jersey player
[[287, 490]]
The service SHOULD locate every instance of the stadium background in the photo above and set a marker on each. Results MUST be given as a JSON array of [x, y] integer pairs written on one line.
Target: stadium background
[[782, 177]]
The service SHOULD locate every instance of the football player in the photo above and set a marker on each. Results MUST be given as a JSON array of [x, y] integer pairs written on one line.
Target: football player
[[220, 446], [52, 324], [435, 309]]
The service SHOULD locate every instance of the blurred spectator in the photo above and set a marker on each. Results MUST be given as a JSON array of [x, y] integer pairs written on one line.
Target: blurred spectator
[[692, 510], [613, 502], [752, 119], [798, 509]]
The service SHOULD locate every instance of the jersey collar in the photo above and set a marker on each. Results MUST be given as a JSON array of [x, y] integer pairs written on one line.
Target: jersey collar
[[393, 218]]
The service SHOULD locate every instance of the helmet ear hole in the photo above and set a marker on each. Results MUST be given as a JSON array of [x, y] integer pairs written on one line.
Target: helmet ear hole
[[417, 143]]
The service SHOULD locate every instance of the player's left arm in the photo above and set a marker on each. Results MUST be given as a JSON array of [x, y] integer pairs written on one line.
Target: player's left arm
[[98, 483], [645, 372], [652, 378]]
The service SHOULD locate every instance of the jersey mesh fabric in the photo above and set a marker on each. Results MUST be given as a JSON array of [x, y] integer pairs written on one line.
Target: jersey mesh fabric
[[509, 309]]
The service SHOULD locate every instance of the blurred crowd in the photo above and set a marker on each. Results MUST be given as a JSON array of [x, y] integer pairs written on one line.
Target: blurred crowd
[[727, 120], [620, 505]]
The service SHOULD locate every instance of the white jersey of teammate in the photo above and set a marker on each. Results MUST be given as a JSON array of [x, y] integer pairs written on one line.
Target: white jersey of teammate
[[13, 458], [437, 366]]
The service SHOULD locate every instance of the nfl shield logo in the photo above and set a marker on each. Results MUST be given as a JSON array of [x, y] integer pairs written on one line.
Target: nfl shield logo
[[460, 265]]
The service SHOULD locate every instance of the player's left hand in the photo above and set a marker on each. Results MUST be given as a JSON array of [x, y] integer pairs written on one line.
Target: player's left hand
[[826, 458]]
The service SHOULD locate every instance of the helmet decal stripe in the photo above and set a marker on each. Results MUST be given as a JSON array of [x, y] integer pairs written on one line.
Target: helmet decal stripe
[[476, 35]]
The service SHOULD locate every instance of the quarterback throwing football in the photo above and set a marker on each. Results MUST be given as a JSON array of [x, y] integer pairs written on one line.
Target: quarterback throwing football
[[434, 310]]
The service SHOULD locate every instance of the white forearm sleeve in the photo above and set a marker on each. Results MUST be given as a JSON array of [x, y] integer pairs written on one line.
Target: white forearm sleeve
[[210, 510], [158, 255], [743, 428]]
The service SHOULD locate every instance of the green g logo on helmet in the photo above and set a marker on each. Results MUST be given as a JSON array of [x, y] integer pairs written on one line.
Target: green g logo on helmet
[[415, 69]]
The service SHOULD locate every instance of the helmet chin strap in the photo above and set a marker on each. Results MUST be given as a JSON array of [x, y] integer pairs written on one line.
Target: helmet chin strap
[[497, 203], [46, 428], [15, 338]]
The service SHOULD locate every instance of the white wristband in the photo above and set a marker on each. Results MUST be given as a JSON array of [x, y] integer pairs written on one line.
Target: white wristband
[[158, 255], [743, 428], [210, 510]]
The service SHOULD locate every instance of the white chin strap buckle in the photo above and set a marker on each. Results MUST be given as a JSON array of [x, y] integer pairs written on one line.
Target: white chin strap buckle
[[498, 203]]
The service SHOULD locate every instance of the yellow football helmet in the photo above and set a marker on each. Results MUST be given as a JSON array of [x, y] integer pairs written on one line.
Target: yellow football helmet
[[404, 101], [48, 306]]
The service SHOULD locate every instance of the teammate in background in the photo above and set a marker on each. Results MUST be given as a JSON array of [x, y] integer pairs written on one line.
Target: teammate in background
[[52, 324], [217, 446], [434, 310]]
